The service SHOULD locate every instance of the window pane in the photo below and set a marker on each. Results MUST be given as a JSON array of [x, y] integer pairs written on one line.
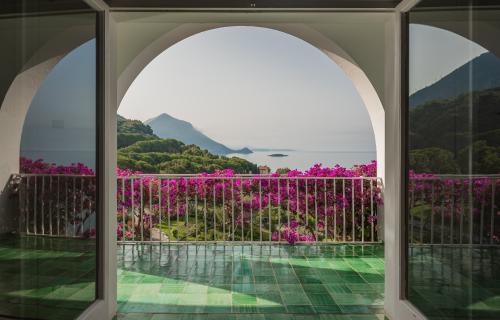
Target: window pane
[[48, 208], [454, 160]]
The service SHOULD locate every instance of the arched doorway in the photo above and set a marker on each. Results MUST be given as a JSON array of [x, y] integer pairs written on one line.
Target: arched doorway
[[190, 202], [150, 50]]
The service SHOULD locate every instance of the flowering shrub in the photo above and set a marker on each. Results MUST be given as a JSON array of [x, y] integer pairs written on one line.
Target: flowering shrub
[[318, 204], [322, 202], [452, 209], [56, 199], [41, 167]]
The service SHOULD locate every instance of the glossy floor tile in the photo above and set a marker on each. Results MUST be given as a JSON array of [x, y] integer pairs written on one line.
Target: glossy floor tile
[[455, 282], [46, 278], [250, 282]]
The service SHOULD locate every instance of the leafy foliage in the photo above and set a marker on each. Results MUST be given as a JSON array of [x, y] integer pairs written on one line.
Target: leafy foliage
[[132, 126], [140, 150], [433, 160], [441, 131]]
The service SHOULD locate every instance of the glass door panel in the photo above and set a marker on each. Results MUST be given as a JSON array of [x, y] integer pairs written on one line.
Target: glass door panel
[[453, 190], [48, 166]]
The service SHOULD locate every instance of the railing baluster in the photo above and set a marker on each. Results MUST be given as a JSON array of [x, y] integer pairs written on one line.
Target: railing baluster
[[151, 209], [177, 207], [344, 211], [141, 210], [297, 191], [196, 212], [334, 209], [186, 212], [50, 205], [260, 209], [270, 222], [362, 210], [462, 212], [132, 213], [168, 211], [124, 210], [452, 205], [35, 206], [205, 195], [223, 210], [160, 220], [42, 208], [242, 211], [371, 212], [492, 217], [215, 211], [421, 216], [316, 209], [66, 208], [353, 212], [232, 209], [251, 211], [326, 210], [288, 205], [279, 211], [471, 212], [74, 206], [481, 221], [412, 204], [307, 203], [81, 206], [58, 206], [27, 211], [432, 211], [443, 185]]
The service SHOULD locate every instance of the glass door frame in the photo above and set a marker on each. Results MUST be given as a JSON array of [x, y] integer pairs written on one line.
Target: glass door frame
[[104, 306], [396, 303]]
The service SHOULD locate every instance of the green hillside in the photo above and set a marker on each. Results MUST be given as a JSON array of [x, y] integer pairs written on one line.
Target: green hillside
[[139, 149], [442, 135]]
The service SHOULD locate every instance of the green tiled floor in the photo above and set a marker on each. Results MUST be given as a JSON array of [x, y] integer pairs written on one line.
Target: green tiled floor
[[46, 278], [250, 282], [455, 282]]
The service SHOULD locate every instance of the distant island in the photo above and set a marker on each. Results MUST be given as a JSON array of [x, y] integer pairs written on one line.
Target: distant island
[[278, 155]]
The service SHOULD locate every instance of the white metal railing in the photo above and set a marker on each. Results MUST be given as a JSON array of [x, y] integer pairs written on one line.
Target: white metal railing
[[173, 208], [56, 205], [445, 209], [454, 209], [178, 208]]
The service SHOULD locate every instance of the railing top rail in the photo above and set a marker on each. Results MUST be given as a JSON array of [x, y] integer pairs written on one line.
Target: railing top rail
[[198, 176], [255, 176], [456, 176], [54, 175]]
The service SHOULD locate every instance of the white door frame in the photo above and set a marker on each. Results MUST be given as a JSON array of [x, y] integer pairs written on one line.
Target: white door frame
[[104, 307], [396, 307]]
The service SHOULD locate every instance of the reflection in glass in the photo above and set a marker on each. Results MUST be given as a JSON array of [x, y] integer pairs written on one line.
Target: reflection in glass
[[48, 167], [454, 161]]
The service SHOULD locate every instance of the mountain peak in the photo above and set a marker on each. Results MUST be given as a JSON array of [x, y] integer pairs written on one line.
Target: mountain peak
[[165, 126], [486, 75]]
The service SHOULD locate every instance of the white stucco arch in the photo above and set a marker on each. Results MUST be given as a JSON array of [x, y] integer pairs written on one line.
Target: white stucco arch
[[336, 53], [25, 85]]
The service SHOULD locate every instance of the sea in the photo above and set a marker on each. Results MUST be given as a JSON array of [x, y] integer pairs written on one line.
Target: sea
[[303, 160]]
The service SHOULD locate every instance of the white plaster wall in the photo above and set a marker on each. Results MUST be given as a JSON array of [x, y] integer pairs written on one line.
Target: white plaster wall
[[141, 36]]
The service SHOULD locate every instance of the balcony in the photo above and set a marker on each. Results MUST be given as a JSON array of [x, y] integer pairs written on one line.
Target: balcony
[[224, 245], [258, 247]]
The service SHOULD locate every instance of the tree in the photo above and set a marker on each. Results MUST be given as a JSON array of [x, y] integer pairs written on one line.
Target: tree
[[433, 160], [485, 159]]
